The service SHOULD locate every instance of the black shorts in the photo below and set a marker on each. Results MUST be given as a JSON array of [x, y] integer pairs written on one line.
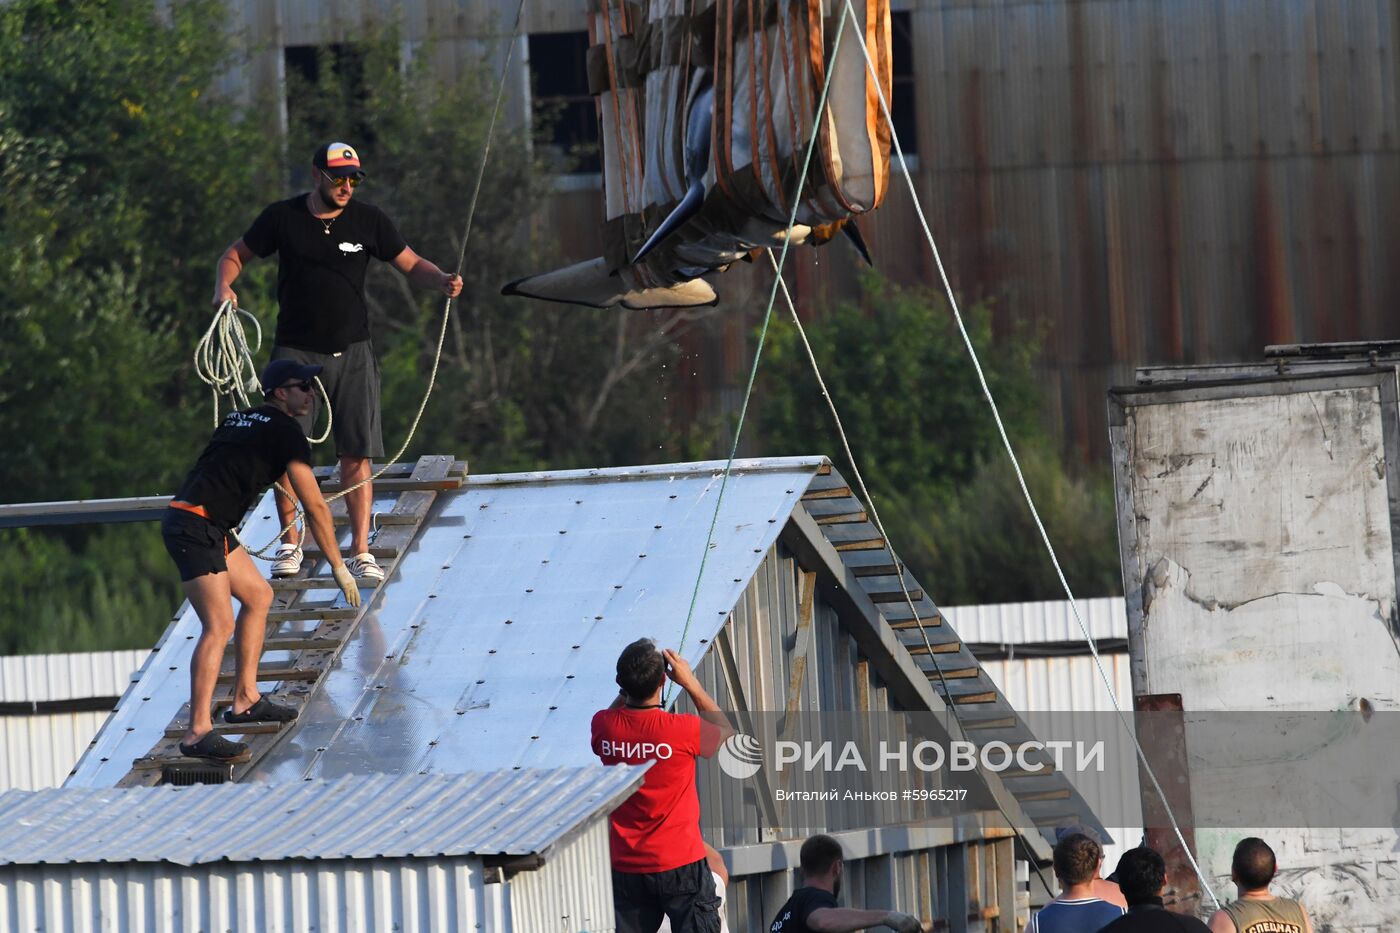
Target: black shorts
[[351, 379], [686, 895], [197, 545]]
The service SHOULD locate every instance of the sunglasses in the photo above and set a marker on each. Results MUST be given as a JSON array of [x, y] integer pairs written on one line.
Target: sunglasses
[[352, 180], [303, 386]]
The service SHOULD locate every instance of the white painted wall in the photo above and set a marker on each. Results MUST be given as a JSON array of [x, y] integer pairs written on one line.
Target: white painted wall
[[1255, 526]]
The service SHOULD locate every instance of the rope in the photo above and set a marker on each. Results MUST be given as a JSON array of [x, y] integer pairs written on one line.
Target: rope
[[762, 336], [223, 352], [869, 500], [1016, 465]]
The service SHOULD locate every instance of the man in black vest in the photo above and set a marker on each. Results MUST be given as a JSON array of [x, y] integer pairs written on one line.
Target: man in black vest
[[324, 240], [250, 450]]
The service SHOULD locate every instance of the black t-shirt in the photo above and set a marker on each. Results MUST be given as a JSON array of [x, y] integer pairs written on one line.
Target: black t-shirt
[[246, 454], [792, 916], [1152, 918], [321, 275]]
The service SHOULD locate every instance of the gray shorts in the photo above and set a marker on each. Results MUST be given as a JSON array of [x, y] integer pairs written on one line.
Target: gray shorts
[[351, 379]]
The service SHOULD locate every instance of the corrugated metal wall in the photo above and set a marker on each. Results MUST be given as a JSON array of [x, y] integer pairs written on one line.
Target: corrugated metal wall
[[39, 749], [566, 895], [329, 896], [32, 678], [569, 892], [1147, 181], [1061, 684]]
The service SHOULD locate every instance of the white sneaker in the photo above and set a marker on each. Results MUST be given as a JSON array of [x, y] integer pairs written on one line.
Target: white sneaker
[[365, 567], [286, 561]]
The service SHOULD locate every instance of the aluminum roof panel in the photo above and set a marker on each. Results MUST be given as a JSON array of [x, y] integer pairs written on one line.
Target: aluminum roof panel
[[496, 640], [483, 813]]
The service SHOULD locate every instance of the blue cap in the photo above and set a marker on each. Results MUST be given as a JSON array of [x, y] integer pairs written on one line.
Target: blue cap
[[279, 372]]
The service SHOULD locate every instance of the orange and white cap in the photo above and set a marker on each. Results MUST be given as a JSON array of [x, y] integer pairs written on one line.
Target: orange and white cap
[[338, 159]]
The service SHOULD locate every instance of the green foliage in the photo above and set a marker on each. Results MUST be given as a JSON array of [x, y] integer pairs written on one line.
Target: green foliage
[[926, 444], [84, 590], [116, 167]]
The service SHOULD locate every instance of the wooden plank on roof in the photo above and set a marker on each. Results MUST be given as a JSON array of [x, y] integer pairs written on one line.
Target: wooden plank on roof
[[274, 674], [916, 647], [859, 537], [829, 486], [870, 563], [887, 589], [286, 584], [318, 613]]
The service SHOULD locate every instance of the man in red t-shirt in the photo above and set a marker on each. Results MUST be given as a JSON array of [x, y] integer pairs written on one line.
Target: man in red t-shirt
[[658, 857]]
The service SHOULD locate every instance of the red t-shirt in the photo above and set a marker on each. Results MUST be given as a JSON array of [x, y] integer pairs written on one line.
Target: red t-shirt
[[658, 827]]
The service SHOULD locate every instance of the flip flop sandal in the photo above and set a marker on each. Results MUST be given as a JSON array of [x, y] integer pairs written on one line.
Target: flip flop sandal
[[216, 748], [262, 711]]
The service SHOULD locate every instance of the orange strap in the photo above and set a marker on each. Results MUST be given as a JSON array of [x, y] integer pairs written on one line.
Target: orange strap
[[189, 507], [196, 510]]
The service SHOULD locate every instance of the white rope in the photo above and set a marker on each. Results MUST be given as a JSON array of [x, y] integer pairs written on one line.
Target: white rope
[[223, 353], [869, 500], [1020, 477]]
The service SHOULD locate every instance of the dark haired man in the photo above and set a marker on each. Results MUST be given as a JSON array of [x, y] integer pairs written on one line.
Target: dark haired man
[[815, 907], [1077, 909], [246, 454], [658, 857], [324, 240], [1102, 888], [1256, 910], [1142, 875]]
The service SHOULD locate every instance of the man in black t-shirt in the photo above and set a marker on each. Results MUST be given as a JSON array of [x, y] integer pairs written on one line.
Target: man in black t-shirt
[[813, 908], [324, 240], [1142, 876], [250, 450]]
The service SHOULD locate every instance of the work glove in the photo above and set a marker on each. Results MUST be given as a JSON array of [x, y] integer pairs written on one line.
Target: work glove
[[347, 584], [903, 923]]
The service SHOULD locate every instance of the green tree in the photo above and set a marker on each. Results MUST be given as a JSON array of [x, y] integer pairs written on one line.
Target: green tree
[[926, 444], [115, 165]]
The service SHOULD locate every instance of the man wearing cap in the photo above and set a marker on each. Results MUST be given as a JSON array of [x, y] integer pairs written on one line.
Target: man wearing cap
[[250, 450], [324, 240]]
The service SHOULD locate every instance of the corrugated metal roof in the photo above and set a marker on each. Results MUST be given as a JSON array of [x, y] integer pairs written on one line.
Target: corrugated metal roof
[[38, 678], [1032, 623], [374, 816], [497, 638]]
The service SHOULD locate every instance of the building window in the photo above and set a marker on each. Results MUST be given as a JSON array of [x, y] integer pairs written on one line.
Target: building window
[[325, 86], [566, 125], [902, 99]]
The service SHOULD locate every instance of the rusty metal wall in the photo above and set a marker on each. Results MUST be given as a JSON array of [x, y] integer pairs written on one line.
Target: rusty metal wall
[[1148, 181]]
